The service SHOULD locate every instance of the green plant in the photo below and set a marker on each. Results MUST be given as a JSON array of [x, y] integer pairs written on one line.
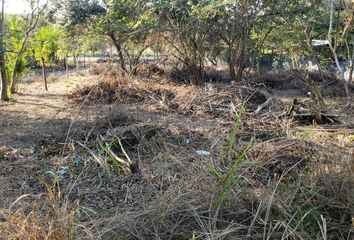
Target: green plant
[[105, 151], [229, 180], [106, 157], [52, 185], [45, 45]]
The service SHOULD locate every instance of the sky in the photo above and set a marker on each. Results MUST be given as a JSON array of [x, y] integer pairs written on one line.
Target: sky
[[16, 6]]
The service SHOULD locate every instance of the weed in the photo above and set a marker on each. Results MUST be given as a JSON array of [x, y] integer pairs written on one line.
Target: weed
[[52, 77], [106, 157], [43, 216], [230, 180]]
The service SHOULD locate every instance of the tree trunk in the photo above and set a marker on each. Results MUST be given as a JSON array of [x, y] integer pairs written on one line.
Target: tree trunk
[[196, 74], [341, 72], [241, 52], [230, 58], [232, 69], [66, 67], [236, 58], [121, 57], [312, 86], [4, 91], [240, 71], [77, 63], [351, 69], [14, 83], [334, 53], [44, 74], [120, 53], [14, 78], [313, 55], [136, 62]]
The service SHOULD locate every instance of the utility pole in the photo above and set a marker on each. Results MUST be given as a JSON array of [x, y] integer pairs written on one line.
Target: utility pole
[[4, 91]]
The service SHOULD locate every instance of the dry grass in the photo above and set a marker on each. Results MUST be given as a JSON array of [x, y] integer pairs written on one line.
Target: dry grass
[[212, 101], [291, 183], [43, 216], [175, 194]]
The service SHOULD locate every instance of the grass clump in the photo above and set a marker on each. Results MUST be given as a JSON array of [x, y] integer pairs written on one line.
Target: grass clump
[[49, 215]]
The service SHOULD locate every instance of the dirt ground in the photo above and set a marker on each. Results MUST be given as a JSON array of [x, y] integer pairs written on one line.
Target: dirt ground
[[33, 116], [36, 117], [163, 125]]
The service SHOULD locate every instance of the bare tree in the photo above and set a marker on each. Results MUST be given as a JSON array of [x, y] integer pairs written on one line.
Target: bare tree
[[333, 47], [346, 32]]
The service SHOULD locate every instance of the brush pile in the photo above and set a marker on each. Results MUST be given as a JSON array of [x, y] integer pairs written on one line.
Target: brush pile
[[211, 101], [287, 82]]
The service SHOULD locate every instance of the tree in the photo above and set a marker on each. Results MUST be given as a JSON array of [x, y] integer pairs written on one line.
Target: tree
[[4, 84], [66, 46], [235, 22], [333, 44], [127, 24], [124, 22], [15, 61], [27, 27], [316, 20], [46, 44], [185, 28]]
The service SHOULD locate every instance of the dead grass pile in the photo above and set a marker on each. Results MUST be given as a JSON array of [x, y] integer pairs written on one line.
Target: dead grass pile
[[97, 69], [219, 101], [184, 211], [320, 201], [182, 76], [178, 75], [150, 70], [330, 85], [274, 158], [106, 69], [109, 92], [210, 101]]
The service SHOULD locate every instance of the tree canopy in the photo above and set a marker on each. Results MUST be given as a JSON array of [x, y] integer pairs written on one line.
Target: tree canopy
[[237, 33]]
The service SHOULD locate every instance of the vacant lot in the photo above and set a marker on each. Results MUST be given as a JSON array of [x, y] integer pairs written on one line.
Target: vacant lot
[[147, 157]]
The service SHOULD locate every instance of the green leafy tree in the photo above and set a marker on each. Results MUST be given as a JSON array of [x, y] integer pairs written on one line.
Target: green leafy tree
[[186, 28], [72, 43], [299, 23], [46, 45], [128, 24], [16, 63], [234, 24], [21, 31]]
